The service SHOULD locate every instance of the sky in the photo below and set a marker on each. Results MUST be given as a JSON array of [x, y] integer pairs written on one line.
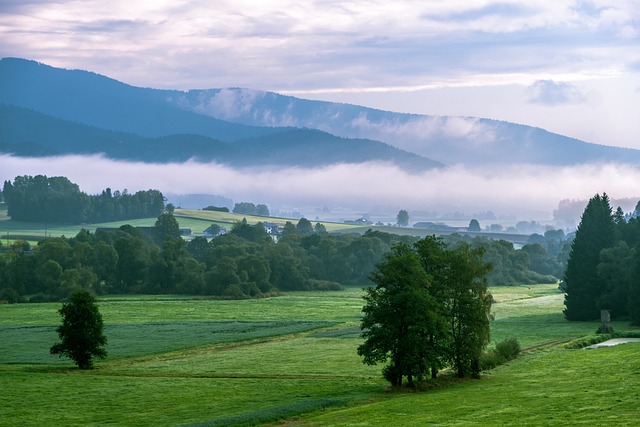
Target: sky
[[571, 67]]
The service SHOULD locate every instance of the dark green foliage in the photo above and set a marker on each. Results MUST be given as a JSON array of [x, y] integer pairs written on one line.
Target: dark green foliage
[[504, 351], [399, 317], [166, 227], [633, 303], [402, 219], [430, 307], [58, 200], [304, 226], [216, 209], [583, 287], [262, 210], [474, 226], [80, 333], [245, 208], [469, 308], [603, 266]]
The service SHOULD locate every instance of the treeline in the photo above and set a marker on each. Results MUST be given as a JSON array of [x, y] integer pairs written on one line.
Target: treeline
[[603, 270], [60, 201], [244, 263]]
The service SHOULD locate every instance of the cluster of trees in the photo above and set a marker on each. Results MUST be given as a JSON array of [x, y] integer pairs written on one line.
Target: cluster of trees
[[430, 308], [245, 262], [58, 200], [603, 269], [541, 260], [247, 208]]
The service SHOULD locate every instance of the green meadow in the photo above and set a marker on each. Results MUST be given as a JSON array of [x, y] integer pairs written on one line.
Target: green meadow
[[196, 220], [292, 359]]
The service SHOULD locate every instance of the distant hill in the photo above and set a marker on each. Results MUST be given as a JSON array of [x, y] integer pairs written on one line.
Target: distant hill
[[448, 139], [95, 100], [25, 132], [83, 112]]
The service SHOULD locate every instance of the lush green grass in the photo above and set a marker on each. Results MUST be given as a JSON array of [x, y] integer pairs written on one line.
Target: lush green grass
[[178, 360], [558, 387]]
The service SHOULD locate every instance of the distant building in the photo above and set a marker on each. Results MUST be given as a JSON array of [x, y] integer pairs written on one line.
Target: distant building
[[272, 228]]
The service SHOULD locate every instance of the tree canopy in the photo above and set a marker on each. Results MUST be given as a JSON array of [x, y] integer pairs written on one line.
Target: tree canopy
[[430, 308], [402, 219], [81, 331], [58, 200], [583, 287], [603, 266]]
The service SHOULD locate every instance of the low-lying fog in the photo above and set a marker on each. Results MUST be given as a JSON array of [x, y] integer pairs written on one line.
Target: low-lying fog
[[524, 192]]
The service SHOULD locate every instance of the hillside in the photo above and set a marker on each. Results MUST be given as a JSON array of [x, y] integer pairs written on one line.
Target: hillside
[[49, 111], [448, 139], [266, 128]]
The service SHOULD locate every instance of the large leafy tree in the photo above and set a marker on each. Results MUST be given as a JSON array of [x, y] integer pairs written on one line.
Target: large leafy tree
[[81, 331], [469, 308], [430, 307], [582, 284], [399, 316]]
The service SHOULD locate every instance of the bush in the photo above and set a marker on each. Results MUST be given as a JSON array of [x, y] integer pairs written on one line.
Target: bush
[[504, 351], [323, 285], [508, 349], [10, 296]]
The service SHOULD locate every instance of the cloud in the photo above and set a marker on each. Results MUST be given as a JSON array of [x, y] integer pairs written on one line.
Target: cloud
[[288, 45], [548, 92], [528, 191]]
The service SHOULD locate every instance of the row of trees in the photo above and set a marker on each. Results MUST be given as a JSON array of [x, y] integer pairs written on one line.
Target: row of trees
[[248, 208], [246, 262], [58, 200], [603, 269], [430, 308]]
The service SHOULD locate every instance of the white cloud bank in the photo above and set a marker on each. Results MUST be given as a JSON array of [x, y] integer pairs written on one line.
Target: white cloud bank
[[529, 192]]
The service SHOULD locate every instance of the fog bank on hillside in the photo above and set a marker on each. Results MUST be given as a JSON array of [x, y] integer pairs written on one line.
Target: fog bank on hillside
[[528, 192]]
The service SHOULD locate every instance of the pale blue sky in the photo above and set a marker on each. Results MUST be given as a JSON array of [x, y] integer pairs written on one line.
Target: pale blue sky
[[572, 67]]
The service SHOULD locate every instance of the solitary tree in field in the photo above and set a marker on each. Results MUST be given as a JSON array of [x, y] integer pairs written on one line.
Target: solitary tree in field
[[81, 330], [583, 286], [402, 218]]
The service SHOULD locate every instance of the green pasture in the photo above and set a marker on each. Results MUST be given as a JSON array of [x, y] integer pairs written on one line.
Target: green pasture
[[196, 220], [189, 361]]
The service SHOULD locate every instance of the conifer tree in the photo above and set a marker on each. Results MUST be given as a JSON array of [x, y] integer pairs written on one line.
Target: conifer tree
[[583, 287]]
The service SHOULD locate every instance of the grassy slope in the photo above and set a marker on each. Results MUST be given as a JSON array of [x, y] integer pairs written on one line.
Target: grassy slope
[[255, 370], [196, 220]]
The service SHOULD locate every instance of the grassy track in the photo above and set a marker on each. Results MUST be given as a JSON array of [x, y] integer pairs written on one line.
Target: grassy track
[[182, 361]]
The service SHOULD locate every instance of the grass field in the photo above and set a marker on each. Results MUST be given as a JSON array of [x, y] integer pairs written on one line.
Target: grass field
[[181, 361], [196, 220]]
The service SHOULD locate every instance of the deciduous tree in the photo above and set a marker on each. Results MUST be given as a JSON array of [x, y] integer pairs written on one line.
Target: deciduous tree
[[81, 331]]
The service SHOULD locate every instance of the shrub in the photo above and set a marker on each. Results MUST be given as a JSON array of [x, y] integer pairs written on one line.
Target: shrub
[[504, 351], [323, 285], [508, 349]]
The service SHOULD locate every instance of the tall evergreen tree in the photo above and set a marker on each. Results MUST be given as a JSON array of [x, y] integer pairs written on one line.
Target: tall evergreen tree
[[633, 303], [583, 286]]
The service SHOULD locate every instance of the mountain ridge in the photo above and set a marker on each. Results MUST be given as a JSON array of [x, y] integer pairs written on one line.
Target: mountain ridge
[[261, 120]]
